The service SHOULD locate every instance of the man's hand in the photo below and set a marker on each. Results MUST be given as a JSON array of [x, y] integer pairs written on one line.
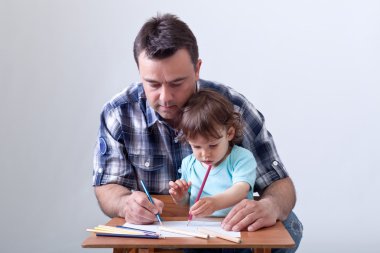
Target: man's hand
[[118, 201], [251, 214], [275, 203], [203, 207], [179, 190], [139, 210]]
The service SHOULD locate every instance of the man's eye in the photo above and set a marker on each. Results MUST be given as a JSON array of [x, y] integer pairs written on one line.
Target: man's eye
[[176, 84], [154, 85]]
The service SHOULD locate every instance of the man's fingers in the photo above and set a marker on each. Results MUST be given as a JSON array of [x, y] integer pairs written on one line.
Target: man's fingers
[[237, 214], [159, 204], [138, 215], [259, 223], [139, 210], [233, 212], [249, 219]]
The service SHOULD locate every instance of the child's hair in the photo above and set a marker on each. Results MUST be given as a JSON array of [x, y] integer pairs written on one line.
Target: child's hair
[[204, 114]]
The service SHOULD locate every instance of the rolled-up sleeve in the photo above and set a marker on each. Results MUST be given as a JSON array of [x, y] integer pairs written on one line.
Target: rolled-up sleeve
[[110, 159], [260, 141]]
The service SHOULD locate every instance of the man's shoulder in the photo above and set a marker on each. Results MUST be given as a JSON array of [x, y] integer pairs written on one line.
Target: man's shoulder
[[131, 99], [235, 97], [131, 94], [206, 84]]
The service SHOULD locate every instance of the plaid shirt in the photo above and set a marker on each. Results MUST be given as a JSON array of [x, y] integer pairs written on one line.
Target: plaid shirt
[[134, 143]]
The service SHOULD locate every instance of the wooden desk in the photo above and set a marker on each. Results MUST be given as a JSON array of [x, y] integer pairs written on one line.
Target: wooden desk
[[263, 240]]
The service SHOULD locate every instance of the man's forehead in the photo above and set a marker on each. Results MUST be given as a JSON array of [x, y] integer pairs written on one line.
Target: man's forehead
[[182, 54]]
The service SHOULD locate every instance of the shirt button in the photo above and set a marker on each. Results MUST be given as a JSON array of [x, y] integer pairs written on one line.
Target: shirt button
[[274, 163], [100, 170], [146, 164], [179, 170]]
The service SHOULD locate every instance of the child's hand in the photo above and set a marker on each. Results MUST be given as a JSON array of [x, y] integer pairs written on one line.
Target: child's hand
[[204, 207], [179, 190]]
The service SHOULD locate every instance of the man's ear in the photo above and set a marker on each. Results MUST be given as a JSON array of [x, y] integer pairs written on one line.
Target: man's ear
[[198, 69], [230, 133]]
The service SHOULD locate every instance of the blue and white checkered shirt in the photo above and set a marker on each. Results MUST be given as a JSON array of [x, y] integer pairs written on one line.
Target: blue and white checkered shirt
[[134, 143]]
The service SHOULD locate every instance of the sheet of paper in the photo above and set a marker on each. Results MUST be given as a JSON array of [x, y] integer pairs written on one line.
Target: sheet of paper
[[193, 227]]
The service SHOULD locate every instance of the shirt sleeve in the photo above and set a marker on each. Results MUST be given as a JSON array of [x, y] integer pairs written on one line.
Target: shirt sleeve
[[259, 141], [185, 168], [244, 167], [110, 162]]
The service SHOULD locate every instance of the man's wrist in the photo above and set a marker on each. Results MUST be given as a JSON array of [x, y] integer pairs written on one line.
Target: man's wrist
[[272, 205], [122, 204]]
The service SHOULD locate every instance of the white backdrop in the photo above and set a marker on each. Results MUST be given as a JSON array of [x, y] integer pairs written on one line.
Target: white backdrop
[[312, 68]]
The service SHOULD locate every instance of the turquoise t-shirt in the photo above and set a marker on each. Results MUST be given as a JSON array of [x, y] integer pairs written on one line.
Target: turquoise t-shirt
[[238, 166]]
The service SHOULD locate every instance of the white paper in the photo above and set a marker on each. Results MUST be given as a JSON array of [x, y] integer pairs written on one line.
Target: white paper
[[193, 227]]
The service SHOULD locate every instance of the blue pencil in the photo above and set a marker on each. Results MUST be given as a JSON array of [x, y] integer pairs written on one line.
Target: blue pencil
[[151, 200], [130, 236], [137, 229]]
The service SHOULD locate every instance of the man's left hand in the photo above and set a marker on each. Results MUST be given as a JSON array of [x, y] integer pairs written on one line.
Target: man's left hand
[[251, 214]]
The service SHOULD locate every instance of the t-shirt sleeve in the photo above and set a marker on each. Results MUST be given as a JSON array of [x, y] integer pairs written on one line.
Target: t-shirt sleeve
[[185, 168], [244, 167]]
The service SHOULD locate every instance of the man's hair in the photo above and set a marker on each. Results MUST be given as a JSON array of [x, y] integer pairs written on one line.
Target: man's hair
[[160, 37], [205, 113]]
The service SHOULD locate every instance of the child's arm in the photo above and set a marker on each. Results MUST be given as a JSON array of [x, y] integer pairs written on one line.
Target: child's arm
[[233, 195], [179, 191]]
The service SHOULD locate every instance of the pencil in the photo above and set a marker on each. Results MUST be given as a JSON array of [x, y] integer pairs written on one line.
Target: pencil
[[200, 191], [137, 229], [129, 236], [183, 232], [151, 200], [219, 235], [120, 230]]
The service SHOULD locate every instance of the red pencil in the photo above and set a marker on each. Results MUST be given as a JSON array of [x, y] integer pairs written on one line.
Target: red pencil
[[200, 191]]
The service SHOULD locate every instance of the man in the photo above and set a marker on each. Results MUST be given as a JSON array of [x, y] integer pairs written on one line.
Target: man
[[138, 136]]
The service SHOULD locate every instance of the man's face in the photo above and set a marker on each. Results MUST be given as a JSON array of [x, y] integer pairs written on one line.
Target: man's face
[[168, 83]]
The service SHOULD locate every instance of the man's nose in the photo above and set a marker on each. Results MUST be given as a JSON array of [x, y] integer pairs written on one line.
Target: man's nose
[[166, 94]]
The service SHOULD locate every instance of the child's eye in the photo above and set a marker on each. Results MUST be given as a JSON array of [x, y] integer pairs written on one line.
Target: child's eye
[[213, 146]]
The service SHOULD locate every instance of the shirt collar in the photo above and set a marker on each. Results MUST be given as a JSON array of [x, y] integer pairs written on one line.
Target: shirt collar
[[151, 115]]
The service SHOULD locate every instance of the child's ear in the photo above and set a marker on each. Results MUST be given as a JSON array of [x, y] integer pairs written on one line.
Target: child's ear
[[230, 133]]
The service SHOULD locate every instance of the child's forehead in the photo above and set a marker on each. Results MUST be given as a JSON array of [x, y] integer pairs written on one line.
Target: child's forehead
[[199, 138]]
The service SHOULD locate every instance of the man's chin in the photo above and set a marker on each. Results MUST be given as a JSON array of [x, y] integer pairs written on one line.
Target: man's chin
[[168, 116]]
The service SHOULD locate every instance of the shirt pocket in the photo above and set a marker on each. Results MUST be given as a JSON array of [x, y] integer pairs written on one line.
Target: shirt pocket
[[148, 163], [153, 169]]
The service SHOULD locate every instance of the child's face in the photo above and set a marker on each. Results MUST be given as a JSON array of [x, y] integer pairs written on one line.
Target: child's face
[[212, 151]]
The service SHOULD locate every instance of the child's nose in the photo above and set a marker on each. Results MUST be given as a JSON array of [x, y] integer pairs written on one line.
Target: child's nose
[[205, 153]]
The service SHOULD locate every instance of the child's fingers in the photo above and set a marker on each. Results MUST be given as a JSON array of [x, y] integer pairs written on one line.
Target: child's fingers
[[201, 209], [182, 184], [174, 186], [172, 191]]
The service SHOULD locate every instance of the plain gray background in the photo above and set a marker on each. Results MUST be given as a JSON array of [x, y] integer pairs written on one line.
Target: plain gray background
[[312, 68]]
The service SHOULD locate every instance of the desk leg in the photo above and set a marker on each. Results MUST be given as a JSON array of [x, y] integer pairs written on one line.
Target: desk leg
[[263, 250], [120, 250], [145, 250]]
